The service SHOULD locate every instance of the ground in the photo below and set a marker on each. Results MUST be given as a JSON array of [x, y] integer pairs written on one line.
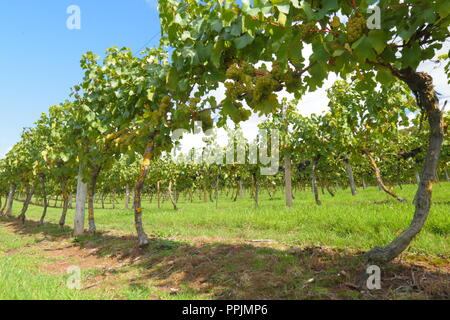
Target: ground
[[233, 252]]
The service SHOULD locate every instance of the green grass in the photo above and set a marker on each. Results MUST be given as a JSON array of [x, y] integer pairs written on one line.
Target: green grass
[[369, 219], [342, 222]]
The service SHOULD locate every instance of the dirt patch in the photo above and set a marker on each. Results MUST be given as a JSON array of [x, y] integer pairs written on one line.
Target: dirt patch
[[73, 255]]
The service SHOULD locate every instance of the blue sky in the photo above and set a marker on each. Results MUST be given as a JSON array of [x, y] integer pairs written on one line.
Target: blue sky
[[39, 56]]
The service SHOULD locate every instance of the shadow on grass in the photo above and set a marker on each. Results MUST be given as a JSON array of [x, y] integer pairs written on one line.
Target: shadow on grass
[[240, 270]]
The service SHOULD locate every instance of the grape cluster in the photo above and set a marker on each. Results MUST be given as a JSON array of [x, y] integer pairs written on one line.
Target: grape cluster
[[264, 86], [165, 104], [255, 86], [336, 22], [285, 75], [355, 28], [307, 30]]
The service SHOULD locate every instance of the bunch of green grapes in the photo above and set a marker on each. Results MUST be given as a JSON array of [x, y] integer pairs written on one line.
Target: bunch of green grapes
[[285, 75], [165, 104], [336, 22], [235, 89], [233, 72], [307, 30], [264, 86], [355, 28]]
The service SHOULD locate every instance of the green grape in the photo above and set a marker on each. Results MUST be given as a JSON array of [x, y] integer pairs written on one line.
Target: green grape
[[165, 104], [355, 28], [308, 30], [233, 72]]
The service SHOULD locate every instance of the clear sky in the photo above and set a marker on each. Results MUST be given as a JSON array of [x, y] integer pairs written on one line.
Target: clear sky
[[39, 55]]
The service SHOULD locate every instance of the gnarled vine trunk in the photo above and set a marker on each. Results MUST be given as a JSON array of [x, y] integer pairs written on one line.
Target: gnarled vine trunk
[[28, 196], [256, 189], [66, 200], [422, 86], [80, 207], [148, 155], [94, 176], [44, 196], [288, 180], [380, 182], [2, 210], [12, 192], [127, 197], [314, 181], [158, 192], [351, 179], [171, 197]]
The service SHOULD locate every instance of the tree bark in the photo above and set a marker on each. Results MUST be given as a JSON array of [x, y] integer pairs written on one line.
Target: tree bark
[[205, 195], [217, 192], [12, 191], [80, 207], [2, 210], [422, 85], [127, 197], [44, 195], [158, 191], [113, 199], [380, 179], [172, 199], [94, 176], [314, 182], [28, 196], [288, 180], [351, 179], [148, 155], [256, 184], [66, 201], [70, 201]]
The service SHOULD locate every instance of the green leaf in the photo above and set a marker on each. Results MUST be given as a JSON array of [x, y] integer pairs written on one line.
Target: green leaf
[[378, 40], [243, 41], [216, 56], [282, 18], [269, 105], [411, 56], [151, 94], [363, 50]]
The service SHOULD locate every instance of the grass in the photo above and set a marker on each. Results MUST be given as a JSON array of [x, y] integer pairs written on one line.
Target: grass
[[222, 240], [369, 219]]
